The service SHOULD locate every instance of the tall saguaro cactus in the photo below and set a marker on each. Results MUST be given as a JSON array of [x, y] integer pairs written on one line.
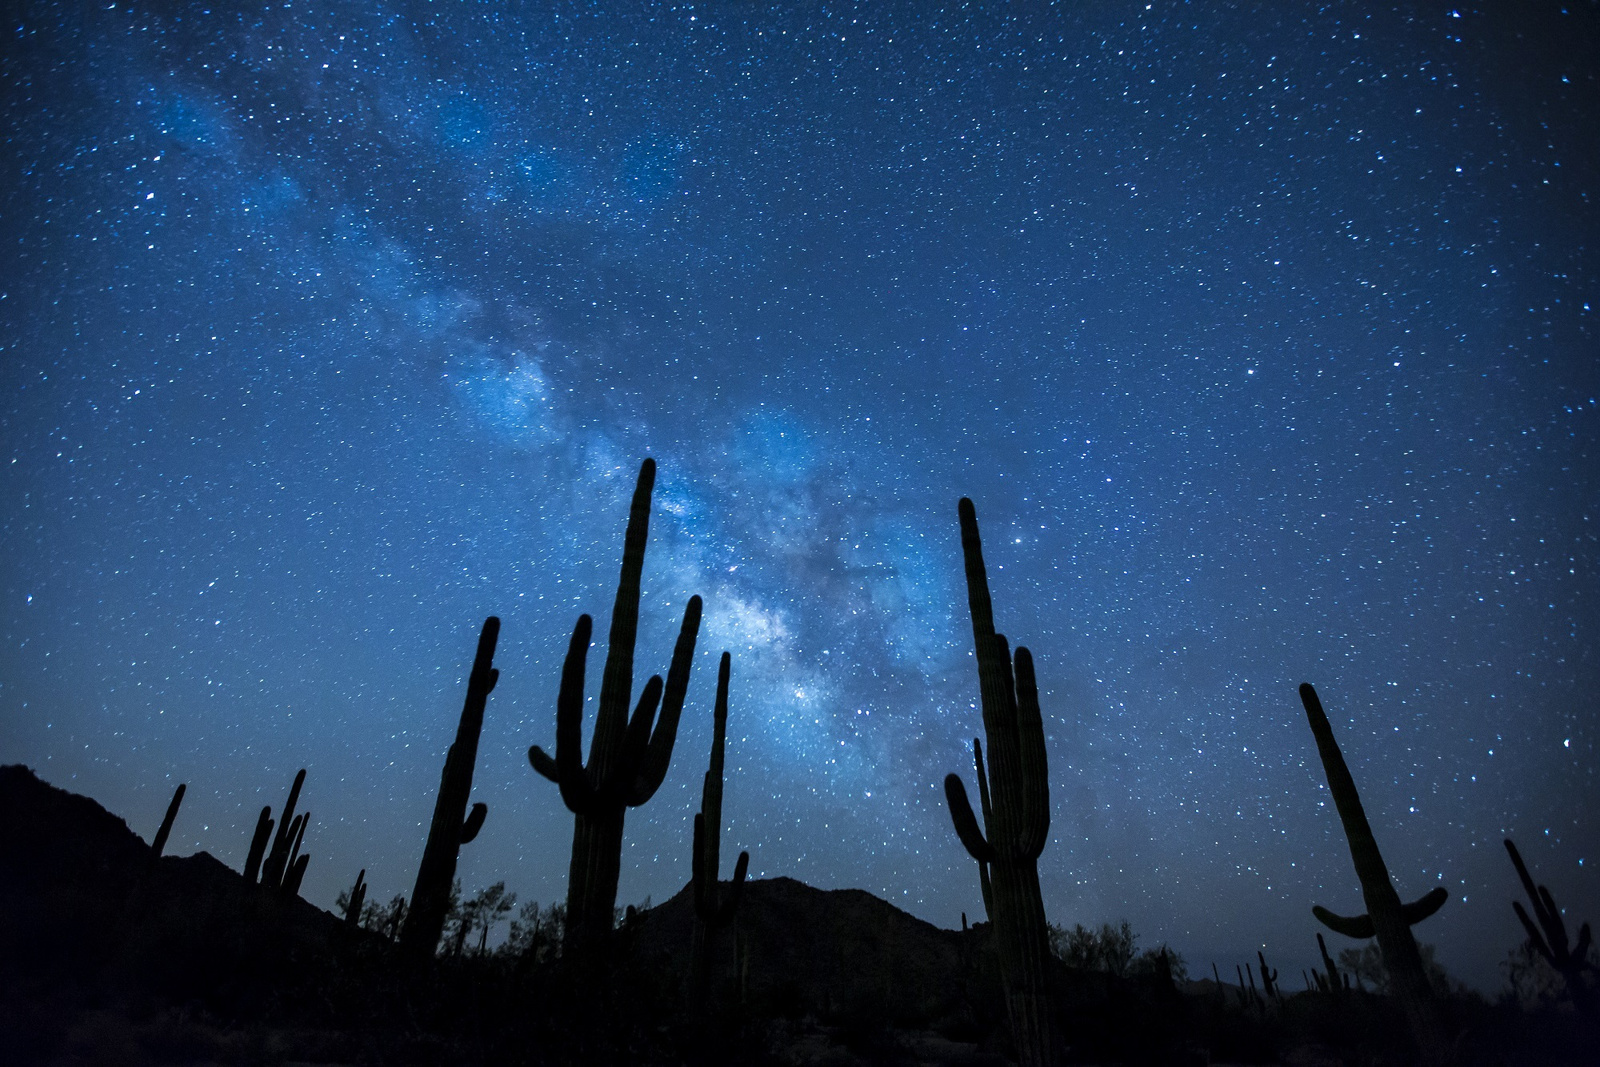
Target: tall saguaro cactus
[[1016, 815], [712, 909], [1386, 919], [627, 759], [452, 827]]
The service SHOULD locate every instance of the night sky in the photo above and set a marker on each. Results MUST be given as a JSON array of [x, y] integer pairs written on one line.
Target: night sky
[[1262, 339]]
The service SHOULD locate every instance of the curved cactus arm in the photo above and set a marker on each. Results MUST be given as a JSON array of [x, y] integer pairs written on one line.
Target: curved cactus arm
[[542, 763], [577, 791], [658, 755], [1424, 906], [160, 842], [966, 824], [1035, 828], [474, 822], [1359, 926], [258, 846], [626, 782]]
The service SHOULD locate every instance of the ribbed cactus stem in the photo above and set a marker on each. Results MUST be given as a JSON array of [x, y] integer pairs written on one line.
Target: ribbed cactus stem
[[258, 846], [160, 843], [1015, 801], [1386, 918], [712, 909], [628, 755], [452, 827]]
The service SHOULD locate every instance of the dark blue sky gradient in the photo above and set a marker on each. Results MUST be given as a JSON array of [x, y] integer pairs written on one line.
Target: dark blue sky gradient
[[1262, 340]]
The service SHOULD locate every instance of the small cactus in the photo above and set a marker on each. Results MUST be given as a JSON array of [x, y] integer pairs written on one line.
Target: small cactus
[[1269, 978], [452, 826], [160, 842], [712, 909]]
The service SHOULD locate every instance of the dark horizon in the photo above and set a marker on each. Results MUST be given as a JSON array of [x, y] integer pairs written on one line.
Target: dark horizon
[[1264, 345]]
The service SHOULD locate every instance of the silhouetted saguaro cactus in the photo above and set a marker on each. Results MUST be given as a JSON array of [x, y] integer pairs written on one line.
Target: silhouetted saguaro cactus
[[1549, 938], [1269, 978], [1386, 919], [1329, 981], [276, 864], [627, 760], [1016, 817], [160, 842], [712, 909], [452, 827]]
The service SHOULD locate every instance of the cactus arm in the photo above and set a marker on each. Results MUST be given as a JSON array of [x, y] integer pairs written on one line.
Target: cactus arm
[[985, 886], [297, 873], [160, 842], [626, 781], [966, 824], [1035, 828], [577, 789], [1358, 926], [542, 763], [1364, 854], [1533, 932], [1424, 906], [658, 755], [258, 846], [474, 822], [272, 869]]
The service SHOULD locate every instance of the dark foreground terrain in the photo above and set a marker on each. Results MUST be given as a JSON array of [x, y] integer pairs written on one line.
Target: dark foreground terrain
[[110, 954]]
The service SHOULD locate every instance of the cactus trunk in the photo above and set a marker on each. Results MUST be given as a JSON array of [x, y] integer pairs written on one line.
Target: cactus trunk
[[1386, 918], [712, 910], [1015, 801], [160, 842], [452, 826]]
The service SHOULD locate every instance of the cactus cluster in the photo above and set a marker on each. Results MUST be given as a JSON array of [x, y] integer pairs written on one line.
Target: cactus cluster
[[1549, 937], [452, 825], [627, 758], [283, 868], [1016, 816]]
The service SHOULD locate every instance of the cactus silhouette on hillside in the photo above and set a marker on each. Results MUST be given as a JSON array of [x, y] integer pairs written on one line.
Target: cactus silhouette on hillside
[[452, 826], [355, 900], [712, 908], [1549, 937], [159, 844], [627, 759], [278, 859], [1016, 817], [1386, 918]]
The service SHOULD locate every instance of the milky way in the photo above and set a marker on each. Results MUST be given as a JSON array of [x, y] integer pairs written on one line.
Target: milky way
[[1263, 343]]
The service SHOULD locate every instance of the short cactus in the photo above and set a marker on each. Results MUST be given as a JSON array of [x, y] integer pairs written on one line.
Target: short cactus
[[258, 846], [452, 825], [358, 898]]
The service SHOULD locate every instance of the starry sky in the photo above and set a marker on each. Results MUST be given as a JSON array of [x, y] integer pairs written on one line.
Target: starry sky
[[1261, 337]]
